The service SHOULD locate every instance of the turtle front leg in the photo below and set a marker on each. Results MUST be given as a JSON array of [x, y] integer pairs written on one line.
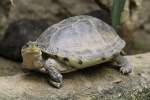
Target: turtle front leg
[[125, 66], [55, 77]]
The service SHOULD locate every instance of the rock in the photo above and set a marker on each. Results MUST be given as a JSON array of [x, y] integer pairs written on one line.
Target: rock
[[5, 7], [100, 14], [51, 10], [141, 41], [9, 68], [144, 13], [147, 27], [96, 83], [141, 37], [17, 34]]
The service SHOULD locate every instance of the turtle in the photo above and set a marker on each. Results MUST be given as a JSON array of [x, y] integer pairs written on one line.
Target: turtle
[[72, 44]]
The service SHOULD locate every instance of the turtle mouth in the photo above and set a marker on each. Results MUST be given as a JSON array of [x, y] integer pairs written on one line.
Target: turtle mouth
[[30, 52], [33, 50]]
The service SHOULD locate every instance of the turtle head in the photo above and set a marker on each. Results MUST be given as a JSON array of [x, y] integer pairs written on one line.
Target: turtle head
[[32, 55]]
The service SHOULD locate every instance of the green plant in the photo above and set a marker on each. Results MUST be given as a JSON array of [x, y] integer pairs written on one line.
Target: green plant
[[117, 8]]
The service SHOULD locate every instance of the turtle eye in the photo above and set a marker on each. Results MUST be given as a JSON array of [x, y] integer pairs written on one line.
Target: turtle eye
[[37, 45], [26, 45]]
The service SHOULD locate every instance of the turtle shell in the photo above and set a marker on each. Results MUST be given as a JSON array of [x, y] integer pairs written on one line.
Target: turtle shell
[[81, 41]]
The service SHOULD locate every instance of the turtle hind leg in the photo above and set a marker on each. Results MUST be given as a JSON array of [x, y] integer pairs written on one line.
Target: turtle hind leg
[[54, 76], [123, 63]]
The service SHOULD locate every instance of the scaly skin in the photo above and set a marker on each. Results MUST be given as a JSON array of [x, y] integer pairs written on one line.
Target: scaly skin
[[32, 59], [125, 66]]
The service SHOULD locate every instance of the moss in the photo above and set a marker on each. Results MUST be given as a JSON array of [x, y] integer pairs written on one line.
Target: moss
[[118, 92], [143, 95]]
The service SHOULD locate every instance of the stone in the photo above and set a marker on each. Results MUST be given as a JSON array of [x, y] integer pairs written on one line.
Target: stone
[[95, 83], [5, 7], [18, 34]]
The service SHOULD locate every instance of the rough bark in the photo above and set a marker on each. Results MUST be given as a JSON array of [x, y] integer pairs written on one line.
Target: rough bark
[[96, 83]]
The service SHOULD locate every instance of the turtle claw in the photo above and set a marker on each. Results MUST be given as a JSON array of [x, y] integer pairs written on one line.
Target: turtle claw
[[55, 84], [123, 63], [57, 81], [125, 70]]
